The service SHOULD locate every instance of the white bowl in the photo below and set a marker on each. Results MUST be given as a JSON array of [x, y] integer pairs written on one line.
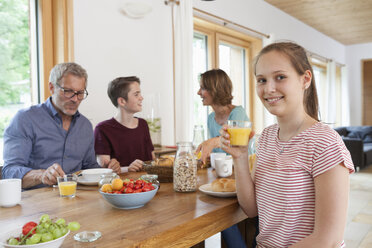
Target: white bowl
[[129, 201], [16, 232], [94, 175]]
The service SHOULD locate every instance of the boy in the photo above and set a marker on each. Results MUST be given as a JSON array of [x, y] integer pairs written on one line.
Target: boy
[[124, 139]]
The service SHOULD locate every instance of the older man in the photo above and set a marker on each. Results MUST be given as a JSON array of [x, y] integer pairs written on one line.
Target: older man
[[50, 139]]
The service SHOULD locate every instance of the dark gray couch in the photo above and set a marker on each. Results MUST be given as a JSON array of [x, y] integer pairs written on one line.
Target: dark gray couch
[[358, 140]]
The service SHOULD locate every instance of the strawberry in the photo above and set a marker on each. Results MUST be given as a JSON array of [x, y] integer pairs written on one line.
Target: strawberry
[[28, 227]]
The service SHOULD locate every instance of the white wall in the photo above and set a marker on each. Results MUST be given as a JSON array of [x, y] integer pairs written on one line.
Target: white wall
[[109, 44], [354, 55]]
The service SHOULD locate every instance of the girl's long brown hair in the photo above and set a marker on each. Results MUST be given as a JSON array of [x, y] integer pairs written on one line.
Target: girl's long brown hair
[[297, 56]]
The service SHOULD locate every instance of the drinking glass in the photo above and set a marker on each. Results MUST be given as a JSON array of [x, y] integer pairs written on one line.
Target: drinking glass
[[252, 147], [67, 185], [239, 132], [198, 136]]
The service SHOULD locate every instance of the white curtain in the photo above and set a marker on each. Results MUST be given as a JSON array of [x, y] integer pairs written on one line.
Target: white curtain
[[331, 92], [345, 98], [183, 37]]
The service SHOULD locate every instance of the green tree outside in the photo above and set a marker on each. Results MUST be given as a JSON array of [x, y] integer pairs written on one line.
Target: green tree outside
[[14, 56]]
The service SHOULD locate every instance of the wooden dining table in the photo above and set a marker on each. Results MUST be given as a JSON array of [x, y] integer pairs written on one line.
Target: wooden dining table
[[170, 219]]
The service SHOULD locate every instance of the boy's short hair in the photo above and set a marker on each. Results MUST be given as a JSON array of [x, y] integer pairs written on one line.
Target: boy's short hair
[[119, 87]]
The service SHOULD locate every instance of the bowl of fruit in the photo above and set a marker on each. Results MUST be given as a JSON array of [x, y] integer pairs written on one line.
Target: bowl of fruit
[[45, 234], [128, 193]]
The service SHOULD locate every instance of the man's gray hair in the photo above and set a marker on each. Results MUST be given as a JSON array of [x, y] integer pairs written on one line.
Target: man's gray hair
[[63, 69]]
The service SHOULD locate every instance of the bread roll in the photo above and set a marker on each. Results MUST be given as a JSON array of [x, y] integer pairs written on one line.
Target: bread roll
[[164, 162], [224, 185]]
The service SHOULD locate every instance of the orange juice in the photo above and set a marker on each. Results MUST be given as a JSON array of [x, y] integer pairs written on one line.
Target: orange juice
[[239, 136], [67, 188]]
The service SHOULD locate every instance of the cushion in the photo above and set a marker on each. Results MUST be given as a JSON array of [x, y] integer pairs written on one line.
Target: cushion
[[361, 132]]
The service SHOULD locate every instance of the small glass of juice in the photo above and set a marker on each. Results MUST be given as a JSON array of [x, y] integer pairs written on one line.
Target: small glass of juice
[[67, 185], [239, 132]]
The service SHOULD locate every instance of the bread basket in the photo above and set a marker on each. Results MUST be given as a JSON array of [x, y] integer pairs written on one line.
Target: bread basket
[[162, 168]]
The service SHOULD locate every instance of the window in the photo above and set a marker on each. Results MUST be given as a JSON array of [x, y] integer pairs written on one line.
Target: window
[[329, 89], [215, 46], [16, 89], [338, 97], [232, 59], [31, 43], [320, 76], [200, 65]]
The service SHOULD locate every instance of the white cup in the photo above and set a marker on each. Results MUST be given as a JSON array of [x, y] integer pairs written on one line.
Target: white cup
[[215, 155], [10, 192], [223, 166]]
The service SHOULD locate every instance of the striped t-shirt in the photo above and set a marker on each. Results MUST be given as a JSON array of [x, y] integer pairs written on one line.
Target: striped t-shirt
[[284, 180]]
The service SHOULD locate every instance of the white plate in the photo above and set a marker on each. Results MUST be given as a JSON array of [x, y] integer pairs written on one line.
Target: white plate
[[85, 182], [207, 189]]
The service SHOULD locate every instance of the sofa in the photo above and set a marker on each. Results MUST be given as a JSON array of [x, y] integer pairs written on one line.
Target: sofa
[[358, 140]]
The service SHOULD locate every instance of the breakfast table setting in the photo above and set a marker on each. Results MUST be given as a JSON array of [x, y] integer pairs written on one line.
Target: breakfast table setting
[[173, 202], [169, 219]]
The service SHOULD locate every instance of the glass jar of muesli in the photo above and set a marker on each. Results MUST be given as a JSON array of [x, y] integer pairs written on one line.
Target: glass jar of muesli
[[185, 168]]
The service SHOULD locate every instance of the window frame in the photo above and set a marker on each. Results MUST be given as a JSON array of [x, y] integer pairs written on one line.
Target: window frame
[[216, 33]]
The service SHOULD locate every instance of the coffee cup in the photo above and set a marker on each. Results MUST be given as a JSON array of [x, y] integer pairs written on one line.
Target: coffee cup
[[216, 155], [10, 192], [223, 166]]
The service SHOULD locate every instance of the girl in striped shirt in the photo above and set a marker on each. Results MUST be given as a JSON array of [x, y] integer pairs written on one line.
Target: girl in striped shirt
[[300, 183]]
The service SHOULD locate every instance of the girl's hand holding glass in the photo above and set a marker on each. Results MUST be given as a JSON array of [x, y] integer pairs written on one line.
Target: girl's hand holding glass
[[236, 151]]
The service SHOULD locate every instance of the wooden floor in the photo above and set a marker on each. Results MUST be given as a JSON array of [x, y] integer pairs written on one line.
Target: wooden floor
[[358, 232]]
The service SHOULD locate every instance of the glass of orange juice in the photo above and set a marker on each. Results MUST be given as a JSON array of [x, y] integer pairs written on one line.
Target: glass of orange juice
[[239, 132], [67, 185]]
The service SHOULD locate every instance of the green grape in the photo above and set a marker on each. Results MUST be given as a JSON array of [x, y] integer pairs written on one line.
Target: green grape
[[51, 228], [73, 226], [46, 225], [44, 218], [57, 233], [29, 242], [34, 239], [40, 229], [64, 230], [13, 241], [46, 237], [60, 221]]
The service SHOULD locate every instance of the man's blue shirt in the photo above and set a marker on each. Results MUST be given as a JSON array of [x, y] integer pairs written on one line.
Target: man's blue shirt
[[35, 139]]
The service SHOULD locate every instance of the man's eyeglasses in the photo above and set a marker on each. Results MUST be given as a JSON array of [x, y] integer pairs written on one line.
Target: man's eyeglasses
[[71, 93]]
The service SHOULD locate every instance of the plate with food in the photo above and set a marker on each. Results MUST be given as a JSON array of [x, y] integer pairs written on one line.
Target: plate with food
[[222, 187]]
